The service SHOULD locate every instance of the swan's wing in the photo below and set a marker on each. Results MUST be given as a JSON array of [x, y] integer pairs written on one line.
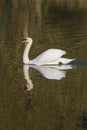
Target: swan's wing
[[50, 55]]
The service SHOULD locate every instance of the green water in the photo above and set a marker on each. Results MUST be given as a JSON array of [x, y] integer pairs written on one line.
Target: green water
[[51, 104]]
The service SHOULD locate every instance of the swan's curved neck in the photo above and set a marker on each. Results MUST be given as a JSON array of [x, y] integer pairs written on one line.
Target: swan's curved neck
[[26, 51]]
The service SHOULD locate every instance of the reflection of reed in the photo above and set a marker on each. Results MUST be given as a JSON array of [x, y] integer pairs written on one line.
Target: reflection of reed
[[73, 3], [70, 3], [38, 3], [25, 32]]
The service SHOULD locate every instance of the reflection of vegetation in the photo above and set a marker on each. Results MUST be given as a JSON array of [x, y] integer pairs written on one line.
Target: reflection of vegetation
[[51, 23], [65, 3], [13, 14]]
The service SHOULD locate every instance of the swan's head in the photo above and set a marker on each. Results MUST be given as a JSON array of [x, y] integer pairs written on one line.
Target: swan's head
[[27, 40]]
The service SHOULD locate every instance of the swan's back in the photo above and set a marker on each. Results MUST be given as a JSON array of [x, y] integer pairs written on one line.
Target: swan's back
[[49, 56]]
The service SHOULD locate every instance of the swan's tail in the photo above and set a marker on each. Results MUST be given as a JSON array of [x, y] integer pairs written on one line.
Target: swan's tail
[[65, 60]]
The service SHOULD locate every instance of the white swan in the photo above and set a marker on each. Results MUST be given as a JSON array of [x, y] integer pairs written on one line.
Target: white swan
[[48, 57]]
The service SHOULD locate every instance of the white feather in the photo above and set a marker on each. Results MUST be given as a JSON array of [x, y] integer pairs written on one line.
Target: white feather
[[48, 57]]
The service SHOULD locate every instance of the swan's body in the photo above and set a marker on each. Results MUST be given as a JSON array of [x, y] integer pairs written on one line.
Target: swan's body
[[48, 57]]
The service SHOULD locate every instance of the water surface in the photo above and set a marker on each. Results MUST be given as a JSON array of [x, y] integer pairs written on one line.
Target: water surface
[[51, 104]]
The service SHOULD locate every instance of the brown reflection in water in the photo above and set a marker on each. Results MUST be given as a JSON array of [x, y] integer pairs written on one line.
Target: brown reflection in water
[[55, 104]]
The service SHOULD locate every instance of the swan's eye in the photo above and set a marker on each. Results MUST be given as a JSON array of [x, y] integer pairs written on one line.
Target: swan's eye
[[24, 41]]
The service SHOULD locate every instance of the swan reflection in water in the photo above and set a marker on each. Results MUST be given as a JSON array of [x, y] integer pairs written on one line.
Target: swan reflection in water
[[56, 72]]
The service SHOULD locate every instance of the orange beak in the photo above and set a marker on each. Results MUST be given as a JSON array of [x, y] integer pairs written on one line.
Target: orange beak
[[23, 41]]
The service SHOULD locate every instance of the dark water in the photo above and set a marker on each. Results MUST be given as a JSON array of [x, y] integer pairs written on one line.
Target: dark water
[[52, 104]]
